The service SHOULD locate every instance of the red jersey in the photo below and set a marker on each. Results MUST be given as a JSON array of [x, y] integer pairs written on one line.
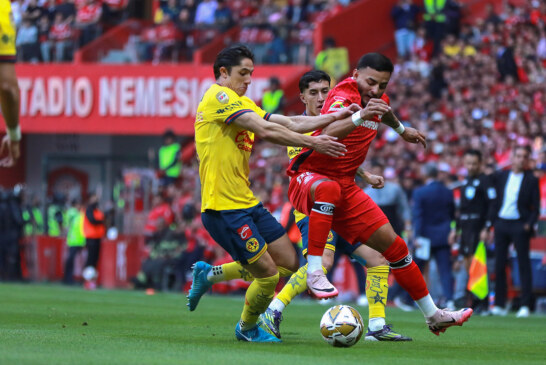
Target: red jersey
[[357, 142], [163, 211]]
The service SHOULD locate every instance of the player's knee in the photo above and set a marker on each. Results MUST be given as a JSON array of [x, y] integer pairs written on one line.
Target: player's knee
[[328, 191]]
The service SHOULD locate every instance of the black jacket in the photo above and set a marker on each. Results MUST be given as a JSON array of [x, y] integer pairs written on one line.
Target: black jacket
[[528, 198]]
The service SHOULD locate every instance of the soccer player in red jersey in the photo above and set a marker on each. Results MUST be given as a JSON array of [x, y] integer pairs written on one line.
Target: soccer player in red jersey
[[324, 189]]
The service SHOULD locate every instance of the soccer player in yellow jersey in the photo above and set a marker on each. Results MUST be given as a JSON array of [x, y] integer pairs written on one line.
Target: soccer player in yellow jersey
[[225, 125], [314, 86], [9, 88]]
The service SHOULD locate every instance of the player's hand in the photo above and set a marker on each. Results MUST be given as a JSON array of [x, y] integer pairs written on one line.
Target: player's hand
[[375, 107], [327, 145], [452, 238], [13, 152], [412, 135], [375, 181], [346, 112]]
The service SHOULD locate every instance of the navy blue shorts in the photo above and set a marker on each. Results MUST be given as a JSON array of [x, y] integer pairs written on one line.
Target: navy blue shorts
[[243, 233], [334, 242]]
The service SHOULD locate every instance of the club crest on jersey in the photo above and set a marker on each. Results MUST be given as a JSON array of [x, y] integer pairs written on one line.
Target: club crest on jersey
[[330, 237], [336, 105], [252, 245], [222, 97], [244, 232]]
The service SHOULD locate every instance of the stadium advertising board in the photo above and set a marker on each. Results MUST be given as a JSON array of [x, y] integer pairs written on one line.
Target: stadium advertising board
[[122, 99]]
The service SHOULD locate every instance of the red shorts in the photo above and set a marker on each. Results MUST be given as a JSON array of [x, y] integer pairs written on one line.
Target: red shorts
[[356, 217]]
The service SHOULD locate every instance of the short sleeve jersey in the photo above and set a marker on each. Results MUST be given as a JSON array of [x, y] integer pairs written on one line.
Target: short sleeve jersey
[[223, 149], [357, 142]]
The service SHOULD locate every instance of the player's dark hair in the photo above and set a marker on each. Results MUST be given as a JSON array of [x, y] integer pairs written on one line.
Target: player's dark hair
[[472, 152], [375, 61], [313, 76], [231, 56]]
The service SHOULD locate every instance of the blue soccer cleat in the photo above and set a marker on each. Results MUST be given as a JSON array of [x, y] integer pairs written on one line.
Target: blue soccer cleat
[[256, 334], [271, 321], [200, 284]]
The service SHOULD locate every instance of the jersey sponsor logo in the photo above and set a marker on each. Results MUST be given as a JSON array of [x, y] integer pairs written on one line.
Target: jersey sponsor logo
[[337, 105], [370, 124], [222, 97], [230, 107], [244, 141], [252, 245], [244, 232]]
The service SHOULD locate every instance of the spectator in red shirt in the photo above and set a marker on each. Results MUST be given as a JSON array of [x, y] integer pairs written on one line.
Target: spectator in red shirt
[[161, 209], [88, 21], [61, 35]]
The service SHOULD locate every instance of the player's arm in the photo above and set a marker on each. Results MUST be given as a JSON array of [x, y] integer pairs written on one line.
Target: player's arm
[[341, 128], [409, 134], [304, 124], [278, 134], [9, 101]]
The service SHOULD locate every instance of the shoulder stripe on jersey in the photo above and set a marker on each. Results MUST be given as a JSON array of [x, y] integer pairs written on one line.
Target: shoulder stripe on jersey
[[299, 159], [236, 115]]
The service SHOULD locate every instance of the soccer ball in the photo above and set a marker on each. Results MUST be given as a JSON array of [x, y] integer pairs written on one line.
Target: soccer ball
[[341, 326], [89, 273]]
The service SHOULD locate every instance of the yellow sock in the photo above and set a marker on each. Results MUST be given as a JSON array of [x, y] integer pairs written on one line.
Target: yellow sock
[[296, 285], [377, 288], [257, 298]]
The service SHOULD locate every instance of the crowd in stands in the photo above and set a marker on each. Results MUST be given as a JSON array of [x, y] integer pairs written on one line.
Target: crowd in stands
[[51, 30], [278, 31]]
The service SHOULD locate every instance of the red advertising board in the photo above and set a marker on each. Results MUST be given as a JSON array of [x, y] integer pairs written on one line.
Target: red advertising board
[[122, 99]]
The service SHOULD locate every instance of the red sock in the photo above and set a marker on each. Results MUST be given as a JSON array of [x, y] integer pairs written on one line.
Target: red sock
[[327, 194], [405, 270]]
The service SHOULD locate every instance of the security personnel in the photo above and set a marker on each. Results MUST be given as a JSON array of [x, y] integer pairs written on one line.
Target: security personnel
[[75, 239], [170, 166], [55, 216], [273, 99], [435, 21], [93, 229], [34, 219]]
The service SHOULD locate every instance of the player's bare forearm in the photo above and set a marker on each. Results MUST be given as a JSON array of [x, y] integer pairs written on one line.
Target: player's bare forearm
[[306, 124], [391, 120], [278, 134]]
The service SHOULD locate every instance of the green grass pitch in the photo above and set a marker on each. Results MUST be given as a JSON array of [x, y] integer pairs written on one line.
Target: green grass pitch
[[50, 324]]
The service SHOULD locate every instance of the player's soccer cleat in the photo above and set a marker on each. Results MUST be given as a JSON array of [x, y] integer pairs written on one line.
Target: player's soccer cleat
[[385, 334], [200, 284], [319, 287], [256, 334], [271, 322], [443, 319]]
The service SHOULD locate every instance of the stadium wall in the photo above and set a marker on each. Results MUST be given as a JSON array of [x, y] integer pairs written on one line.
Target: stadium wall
[[122, 99]]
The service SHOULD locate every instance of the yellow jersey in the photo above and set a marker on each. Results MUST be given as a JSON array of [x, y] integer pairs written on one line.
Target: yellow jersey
[[7, 32], [223, 149], [293, 152]]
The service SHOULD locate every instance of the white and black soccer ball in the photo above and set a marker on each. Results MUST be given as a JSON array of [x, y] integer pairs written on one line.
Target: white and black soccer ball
[[341, 326]]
